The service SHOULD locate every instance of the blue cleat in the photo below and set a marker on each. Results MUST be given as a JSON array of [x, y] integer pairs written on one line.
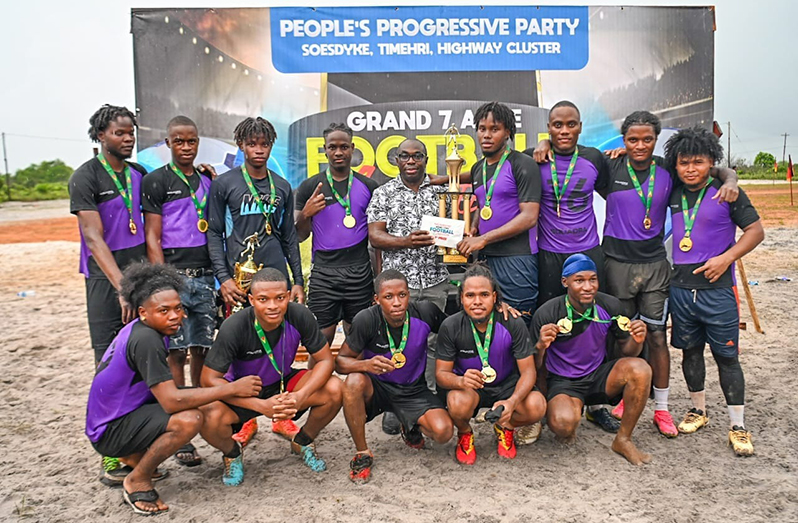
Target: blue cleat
[[233, 469], [308, 454]]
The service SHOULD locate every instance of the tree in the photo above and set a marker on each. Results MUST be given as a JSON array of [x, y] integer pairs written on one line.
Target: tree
[[764, 159], [54, 171]]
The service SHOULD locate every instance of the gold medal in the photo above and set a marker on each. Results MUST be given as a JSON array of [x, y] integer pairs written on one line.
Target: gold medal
[[133, 228], [488, 374], [398, 360], [647, 223], [486, 213], [268, 228], [623, 323], [565, 325], [349, 221], [686, 244], [202, 225]]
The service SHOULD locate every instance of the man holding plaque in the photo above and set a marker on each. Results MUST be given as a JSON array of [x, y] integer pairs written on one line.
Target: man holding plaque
[[702, 298], [332, 205], [262, 340], [487, 361], [385, 355], [572, 334]]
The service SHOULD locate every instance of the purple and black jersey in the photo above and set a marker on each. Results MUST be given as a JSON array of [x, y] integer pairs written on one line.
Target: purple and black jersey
[[713, 234], [368, 336], [133, 364], [518, 182], [333, 244], [575, 229], [625, 238], [162, 192], [92, 189], [510, 342], [584, 349], [238, 352]]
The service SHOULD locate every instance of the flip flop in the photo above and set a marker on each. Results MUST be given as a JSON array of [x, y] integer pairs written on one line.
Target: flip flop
[[115, 478], [188, 448], [149, 496]]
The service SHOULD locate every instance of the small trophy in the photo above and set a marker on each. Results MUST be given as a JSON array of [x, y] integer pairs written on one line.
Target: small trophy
[[454, 196], [243, 273]]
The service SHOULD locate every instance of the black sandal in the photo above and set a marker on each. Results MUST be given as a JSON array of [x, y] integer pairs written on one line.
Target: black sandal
[[188, 448], [148, 496]]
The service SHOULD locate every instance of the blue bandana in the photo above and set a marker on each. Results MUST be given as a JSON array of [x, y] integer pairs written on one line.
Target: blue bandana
[[577, 263]]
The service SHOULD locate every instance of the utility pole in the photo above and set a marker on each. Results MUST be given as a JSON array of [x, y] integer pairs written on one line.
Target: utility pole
[[728, 147], [783, 151], [8, 175]]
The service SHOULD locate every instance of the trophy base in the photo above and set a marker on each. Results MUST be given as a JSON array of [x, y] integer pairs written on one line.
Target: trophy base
[[455, 259]]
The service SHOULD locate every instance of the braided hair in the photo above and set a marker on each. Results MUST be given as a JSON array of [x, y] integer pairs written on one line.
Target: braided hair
[[141, 280], [694, 141], [103, 117], [254, 127], [641, 118], [501, 114], [338, 127]]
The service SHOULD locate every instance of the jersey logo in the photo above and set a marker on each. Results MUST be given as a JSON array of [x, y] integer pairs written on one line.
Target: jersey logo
[[106, 193], [249, 206], [621, 182], [170, 193]]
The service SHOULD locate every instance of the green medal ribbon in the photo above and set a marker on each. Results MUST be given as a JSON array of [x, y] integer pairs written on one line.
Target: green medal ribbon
[[489, 187], [267, 349], [403, 342], [125, 193], [343, 201], [483, 348], [649, 197], [199, 205], [689, 218], [255, 194], [590, 314], [555, 182]]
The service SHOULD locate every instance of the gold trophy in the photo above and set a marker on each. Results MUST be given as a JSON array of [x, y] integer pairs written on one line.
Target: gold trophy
[[454, 196], [243, 273]]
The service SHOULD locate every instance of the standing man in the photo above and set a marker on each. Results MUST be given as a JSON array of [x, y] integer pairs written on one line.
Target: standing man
[[702, 299], [332, 205], [173, 199]]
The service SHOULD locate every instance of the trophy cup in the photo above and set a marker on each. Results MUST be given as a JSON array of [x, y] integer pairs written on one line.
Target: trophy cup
[[244, 272], [454, 196]]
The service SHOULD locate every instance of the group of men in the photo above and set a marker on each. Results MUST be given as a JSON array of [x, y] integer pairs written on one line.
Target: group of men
[[534, 336]]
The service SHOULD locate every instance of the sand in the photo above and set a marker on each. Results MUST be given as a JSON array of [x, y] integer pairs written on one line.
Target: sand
[[48, 470]]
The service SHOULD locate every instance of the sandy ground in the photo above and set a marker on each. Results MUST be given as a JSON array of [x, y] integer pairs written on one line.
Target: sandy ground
[[48, 470]]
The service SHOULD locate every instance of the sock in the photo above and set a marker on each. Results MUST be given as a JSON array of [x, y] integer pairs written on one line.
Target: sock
[[235, 452], [661, 398], [736, 415], [302, 438], [699, 400]]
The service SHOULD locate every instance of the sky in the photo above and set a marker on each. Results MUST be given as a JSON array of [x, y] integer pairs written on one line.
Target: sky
[[61, 60]]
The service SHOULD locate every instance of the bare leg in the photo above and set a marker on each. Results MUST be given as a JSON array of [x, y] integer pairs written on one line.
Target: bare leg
[[659, 359], [461, 405], [563, 414], [197, 362], [217, 428], [436, 424], [324, 405], [358, 392], [632, 376], [177, 364], [529, 411]]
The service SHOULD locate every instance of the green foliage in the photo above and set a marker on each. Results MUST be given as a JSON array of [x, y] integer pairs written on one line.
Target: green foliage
[[43, 181], [764, 159]]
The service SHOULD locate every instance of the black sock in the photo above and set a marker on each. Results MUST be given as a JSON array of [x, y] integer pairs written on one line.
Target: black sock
[[302, 438], [235, 452]]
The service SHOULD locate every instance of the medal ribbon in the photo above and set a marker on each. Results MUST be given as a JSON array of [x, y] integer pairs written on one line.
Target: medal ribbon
[[343, 201], [590, 314], [255, 194], [555, 182], [127, 194], [267, 349], [489, 187], [403, 342], [199, 205], [689, 218], [483, 348], [648, 199]]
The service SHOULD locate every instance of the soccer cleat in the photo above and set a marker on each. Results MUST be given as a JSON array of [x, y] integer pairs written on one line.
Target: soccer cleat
[[693, 420], [413, 438], [480, 417], [741, 441], [528, 434], [360, 467], [664, 423], [234, 468], [617, 412], [465, 452], [390, 424], [309, 456], [506, 444], [603, 419], [285, 428], [247, 432]]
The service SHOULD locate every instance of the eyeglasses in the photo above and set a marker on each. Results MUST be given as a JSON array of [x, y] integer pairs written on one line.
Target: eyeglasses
[[404, 157]]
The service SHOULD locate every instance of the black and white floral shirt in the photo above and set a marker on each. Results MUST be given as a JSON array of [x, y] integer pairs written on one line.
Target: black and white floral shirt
[[401, 209]]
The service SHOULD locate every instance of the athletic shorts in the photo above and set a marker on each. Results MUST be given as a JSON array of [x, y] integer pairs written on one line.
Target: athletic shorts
[[590, 389], [104, 312], [134, 432], [550, 272], [705, 316], [518, 281], [199, 300], [267, 392], [408, 402], [642, 289], [490, 394], [339, 293]]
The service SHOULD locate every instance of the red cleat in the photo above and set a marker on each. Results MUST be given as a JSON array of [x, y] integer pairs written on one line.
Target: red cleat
[[247, 432], [617, 412], [360, 467], [506, 443], [285, 428], [664, 423], [465, 452]]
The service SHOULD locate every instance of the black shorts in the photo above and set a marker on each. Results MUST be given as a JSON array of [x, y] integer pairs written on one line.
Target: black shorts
[[134, 432], [490, 394], [408, 402], [244, 414], [104, 312], [706, 316], [642, 289], [550, 272], [590, 389], [339, 293]]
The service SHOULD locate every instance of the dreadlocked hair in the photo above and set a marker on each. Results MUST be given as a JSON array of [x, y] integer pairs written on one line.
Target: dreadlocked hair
[[694, 141], [103, 117], [642, 118], [480, 270], [141, 280], [253, 127], [338, 127], [388, 275], [501, 114]]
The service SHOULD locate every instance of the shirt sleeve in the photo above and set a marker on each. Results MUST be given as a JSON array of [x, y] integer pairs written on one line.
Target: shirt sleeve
[[289, 241], [378, 207], [224, 348], [446, 349], [742, 211], [148, 355], [527, 179], [217, 204], [603, 167], [362, 329], [153, 193], [303, 192], [308, 328], [522, 342], [82, 193]]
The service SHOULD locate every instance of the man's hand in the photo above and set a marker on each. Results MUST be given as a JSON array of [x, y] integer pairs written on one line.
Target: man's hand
[[468, 245], [207, 168], [298, 294], [315, 203], [543, 152], [231, 294], [509, 408], [728, 193], [472, 379], [285, 407], [714, 268], [615, 153], [419, 239], [247, 387], [637, 328], [379, 365], [508, 311], [128, 314], [548, 333]]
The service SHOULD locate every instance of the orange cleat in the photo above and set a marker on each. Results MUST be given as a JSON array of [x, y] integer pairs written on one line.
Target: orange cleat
[[465, 452], [285, 428], [247, 432], [506, 444], [617, 412]]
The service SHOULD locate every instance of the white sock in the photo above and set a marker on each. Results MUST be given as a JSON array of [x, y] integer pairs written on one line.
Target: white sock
[[699, 400], [661, 398], [736, 415]]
